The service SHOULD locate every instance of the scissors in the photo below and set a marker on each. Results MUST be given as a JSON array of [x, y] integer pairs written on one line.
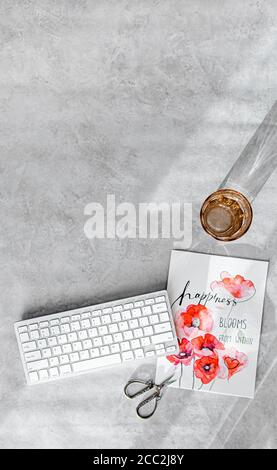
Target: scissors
[[149, 385]]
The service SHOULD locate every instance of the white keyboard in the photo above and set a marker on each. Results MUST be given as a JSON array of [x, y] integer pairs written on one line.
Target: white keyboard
[[77, 341]]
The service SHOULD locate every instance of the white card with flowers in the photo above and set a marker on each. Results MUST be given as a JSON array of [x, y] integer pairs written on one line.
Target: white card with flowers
[[217, 304]]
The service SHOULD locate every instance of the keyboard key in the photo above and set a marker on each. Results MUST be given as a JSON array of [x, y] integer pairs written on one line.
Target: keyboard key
[[145, 341], [76, 317], [164, 317], [42, 343], [97, 362], [106, 319], [148, 331], [138, 333], [97, 341], [159, 346], [87, 344], [64, 359], [116, 317], [52, 341], [159, 308], [86, 315], [44, 332], [37, 365], [123, 326], [128, 356], [161, 327], [135, 343], [33, 376], [43, 324], [77, 346], [143, 321], [108, 339], [65, 328], [162, 338], [30, 346], [84, 355], [54, 322], [150, 353], [139, 303], [133, 323], [32, 356], [55, 330], [118, 337], [136, 313], [94, 352], [128, 334], [57, 350], [146, 310], [46, 352], [160, 299], [126, 315], [92, 332], [74, 356], [62, 339], [103, 330], [65, 370], [54, 372], [85, 324], [34, 334], [33, 326], [113, 328], [24, 337], [96, 313], [125, 346], [43, 374], [95, 321], [72, 337], [22, 329], [128, 306], [83, 334], [65, 319], [104, 350], [161, 352], [154, 319], [149, 301], [139, 354], [75, 326], [115, 348], [107, 310], [118, 308], [171, 349], [53, 361]]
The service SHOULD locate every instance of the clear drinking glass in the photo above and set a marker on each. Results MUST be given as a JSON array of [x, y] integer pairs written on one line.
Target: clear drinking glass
[[227, 213]]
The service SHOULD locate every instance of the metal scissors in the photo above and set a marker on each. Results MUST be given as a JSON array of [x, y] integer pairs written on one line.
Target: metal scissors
[[149, 385]]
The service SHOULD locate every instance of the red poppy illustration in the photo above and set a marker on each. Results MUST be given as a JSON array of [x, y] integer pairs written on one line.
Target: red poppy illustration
[[194, 318], [206, 368], [237, 286], [185, 354], [206, 345], [235, 361]]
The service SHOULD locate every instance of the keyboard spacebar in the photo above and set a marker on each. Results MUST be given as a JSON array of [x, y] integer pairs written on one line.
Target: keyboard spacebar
[[97, 362]]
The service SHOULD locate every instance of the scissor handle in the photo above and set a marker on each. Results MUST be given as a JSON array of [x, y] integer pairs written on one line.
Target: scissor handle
[[148, 385], [155, 396]]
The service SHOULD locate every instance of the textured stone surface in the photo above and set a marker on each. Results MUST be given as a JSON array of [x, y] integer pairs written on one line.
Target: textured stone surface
[[151, 101]]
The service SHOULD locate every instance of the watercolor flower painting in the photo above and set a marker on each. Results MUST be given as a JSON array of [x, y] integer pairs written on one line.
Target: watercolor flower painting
[[239, 287], [194, 319], [185, 354]]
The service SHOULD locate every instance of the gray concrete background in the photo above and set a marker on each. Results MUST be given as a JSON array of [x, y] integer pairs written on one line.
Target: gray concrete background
[[150, 100]]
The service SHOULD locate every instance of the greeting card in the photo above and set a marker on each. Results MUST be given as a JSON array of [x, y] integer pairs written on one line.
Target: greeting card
[[217, 304]]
